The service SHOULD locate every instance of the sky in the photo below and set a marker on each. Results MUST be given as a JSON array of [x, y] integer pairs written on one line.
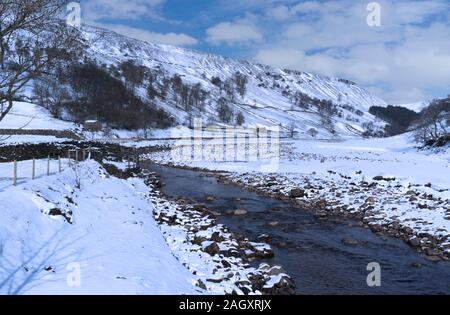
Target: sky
[[402, 54]]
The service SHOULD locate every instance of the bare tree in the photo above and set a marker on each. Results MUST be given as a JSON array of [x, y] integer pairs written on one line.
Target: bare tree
[[241, 83], [240, 119], [291, 130], [434, 122], [224, 111], [313, 132], [33, 37]]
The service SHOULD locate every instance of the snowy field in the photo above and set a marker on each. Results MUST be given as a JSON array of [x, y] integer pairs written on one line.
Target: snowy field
[[25, 115], [388, 181], [28, 116]]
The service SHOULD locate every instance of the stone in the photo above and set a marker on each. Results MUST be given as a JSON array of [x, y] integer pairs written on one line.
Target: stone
[[210, 198], [370, 200], [275, 270], [411, 192], [240, 212], [198, 207], [225, 263], [264, 238], [414, 241], [348, 241], [211, 248], [297, 193], [433, 258], [285, 286], [274, 223], [417, 265], [216, 237]]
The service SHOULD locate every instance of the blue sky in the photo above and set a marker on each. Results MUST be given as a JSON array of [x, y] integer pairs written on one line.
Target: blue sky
[[405, 59]]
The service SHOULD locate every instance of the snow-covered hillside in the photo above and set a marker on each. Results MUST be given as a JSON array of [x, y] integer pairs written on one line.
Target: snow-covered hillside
[[270, 95]]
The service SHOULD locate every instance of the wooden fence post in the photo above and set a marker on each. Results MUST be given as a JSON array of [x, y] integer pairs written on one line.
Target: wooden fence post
[[59, 163], [33, 169], [48, 165], [15, 173], [68, 155], [76, 155]]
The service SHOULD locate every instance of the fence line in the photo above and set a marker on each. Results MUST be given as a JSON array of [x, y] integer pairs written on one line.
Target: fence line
[[86, 154], [73, 157]]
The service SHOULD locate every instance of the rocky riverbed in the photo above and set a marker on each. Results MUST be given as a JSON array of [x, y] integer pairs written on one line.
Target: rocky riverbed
[[381, 204], [208, 249]]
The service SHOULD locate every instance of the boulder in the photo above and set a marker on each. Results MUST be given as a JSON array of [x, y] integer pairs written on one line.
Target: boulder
[[211, 248], [297, 193]]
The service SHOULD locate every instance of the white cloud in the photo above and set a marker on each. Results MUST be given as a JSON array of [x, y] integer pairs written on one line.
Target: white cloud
[[93, 10], [233, 33], [403, 60], [279, 13], [177, 39]]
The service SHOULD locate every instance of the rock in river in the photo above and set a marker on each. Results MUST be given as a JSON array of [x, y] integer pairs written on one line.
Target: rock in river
[[240, 212]]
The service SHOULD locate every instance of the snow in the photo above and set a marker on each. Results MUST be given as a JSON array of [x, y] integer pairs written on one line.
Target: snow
[[27, 116], [113, 238], [417, 107]]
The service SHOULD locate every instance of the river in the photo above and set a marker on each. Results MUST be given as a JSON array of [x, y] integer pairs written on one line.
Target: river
[[315, 254]]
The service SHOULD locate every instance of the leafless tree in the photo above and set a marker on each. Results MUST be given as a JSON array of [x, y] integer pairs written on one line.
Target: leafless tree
[[313, 132], [434, 122], [33, 38]]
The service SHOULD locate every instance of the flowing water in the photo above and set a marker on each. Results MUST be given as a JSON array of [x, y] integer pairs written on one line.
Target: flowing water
[[314, 253]]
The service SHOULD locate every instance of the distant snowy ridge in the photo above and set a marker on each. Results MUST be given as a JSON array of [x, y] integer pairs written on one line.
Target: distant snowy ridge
[[269, 99], [417, 107]]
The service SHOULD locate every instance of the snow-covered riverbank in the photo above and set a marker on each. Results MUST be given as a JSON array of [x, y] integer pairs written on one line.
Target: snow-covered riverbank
[[83, 231]]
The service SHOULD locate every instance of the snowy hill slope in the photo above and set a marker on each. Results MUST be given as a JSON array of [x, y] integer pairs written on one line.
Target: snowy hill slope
[[417, 107], [271, 93]]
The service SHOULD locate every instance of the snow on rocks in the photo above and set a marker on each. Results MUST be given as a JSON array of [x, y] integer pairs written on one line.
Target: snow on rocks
[[383, 204]]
